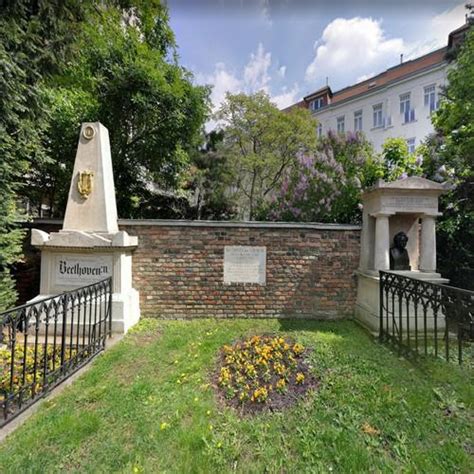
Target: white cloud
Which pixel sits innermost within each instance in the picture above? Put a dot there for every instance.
(354, 46)
(223, 81)
(352, 50)
(256, 75)
(282, 71)
(440, 27)
(286, 97)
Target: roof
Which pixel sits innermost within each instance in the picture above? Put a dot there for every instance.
(390, 75)
(301, 104)
(395, 73)
(322, 91)
(458, 33)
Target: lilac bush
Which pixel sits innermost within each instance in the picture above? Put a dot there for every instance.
(326, 186)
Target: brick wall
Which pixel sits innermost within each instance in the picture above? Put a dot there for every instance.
(178, 269)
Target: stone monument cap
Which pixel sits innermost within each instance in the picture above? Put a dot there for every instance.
(414, 195)
(411, 183)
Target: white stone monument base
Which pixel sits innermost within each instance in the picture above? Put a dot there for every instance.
(125, 310)
(367, 308)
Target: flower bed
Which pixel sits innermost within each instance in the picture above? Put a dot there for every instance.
(28, 372)
(263, 372)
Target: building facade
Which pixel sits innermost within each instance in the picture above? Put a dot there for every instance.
(398, 102)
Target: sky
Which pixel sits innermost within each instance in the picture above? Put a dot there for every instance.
(290, 48)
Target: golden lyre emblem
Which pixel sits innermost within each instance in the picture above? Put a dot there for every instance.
(84, 183)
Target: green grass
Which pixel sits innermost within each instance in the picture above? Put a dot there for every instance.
(146, 406)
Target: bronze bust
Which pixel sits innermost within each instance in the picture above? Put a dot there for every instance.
(399, 259)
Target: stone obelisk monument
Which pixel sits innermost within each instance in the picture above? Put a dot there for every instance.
(90, 247)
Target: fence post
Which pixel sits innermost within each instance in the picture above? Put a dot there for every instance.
(63, 332)
(109, 309)
(381, 305)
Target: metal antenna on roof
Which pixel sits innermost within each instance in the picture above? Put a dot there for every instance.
(401, 58)
(327, 81)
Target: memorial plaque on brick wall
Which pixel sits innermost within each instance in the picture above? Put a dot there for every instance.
(79, 270)
(245, 264)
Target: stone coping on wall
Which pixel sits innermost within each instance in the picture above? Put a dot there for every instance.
(204, 223)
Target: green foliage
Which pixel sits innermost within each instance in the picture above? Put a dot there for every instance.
(326, 186)
(124, 75)
(397, 161)
(151, 395)
(210, 178)
(35, 39)
(260, 144)
(449, 156)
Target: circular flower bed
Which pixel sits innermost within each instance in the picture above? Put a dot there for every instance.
(263, 372)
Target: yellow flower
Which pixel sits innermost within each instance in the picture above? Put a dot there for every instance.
(164, 426)
(300, 378)
(298, 348)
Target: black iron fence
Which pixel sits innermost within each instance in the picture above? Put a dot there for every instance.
(424, 318)
(43, 343)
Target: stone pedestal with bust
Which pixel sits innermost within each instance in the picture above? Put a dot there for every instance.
(90, 238)
(398, 234)
(399, 259)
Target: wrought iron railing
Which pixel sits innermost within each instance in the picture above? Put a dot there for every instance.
(43, 343)
(425, 318)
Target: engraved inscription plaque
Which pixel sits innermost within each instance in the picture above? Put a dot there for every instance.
(411, 202)
(245, 264)
(77, 270)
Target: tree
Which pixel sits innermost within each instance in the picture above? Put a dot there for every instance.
(326, 186)
(397, 161)
(125, 74)
(260, 144)
(35, 40)
(210, 181)
(449, 156)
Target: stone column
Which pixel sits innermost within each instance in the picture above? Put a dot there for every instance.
(364, 243)
(382, 242)
(428, 244)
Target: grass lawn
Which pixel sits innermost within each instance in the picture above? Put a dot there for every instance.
(147, 406)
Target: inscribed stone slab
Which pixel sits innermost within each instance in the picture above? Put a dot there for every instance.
(78, 270)
(245, 264)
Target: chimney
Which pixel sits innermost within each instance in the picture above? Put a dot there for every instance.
(401, 58)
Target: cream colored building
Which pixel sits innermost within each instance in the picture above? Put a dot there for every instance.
(395, 103)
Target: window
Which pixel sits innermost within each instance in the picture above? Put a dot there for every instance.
(317, 103)
(407, 112)
(411, 145)
(404, 103)
(340, 125)
(430, 97)
(378, 116)
(320, 130)
(358, 121)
